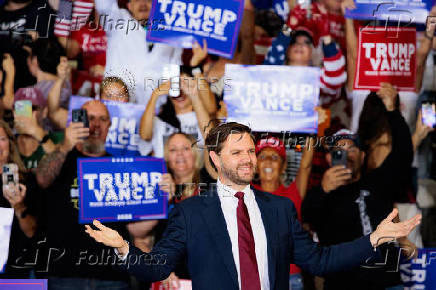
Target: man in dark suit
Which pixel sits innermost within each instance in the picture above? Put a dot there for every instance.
(235, 237)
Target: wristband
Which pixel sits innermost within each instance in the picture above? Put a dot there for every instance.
(44, 139)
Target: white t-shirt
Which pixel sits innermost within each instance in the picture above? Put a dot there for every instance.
(162, 130)
(128, 55)
(407, 107)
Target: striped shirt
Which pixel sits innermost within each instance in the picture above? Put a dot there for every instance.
(333, 73)
(72, 16)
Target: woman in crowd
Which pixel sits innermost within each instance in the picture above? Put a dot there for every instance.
(185, 113)
(114, 89)
(111, 89)
(23, 199)
(185, 167)
(271, 165)
(388, 147)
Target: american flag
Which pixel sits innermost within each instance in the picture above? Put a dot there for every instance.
(72, 15)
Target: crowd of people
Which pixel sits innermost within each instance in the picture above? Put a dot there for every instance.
(51, 51)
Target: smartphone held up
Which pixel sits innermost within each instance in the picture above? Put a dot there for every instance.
(10, 174)
(428, 110)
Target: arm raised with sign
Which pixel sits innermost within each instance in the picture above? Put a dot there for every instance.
(146, 125)
(351, 42)
(206, 95)
(424, 48)
(9, 68)
(56, 113)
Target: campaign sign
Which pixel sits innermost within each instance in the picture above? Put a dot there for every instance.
(420, 273)
(121, 189)
(123, 136)
(386, 55)
(272, 98)
(181, 22)
(6, 219)
(183, 285)
(407, 11)
(23, 284)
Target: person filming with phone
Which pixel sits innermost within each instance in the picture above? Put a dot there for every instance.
(366, 179)
(57, 173)
(19, 192)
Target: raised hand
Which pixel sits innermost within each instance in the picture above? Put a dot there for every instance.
(387, 230)
(198, 53)
(63, 69)
(14, 194)
(29, 126)
(107, 237)
(388, 94)
(167, 184)
(430, 29)
(171, 283)
(347, 4)
(74, 134)
(334, 177)
(8, 63)
(163, 89)
(421, 130)
(189, 86)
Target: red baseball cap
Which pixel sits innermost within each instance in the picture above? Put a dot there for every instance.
(31, 94)
(273, 143)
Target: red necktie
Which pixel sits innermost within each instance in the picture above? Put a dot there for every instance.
(247, 255)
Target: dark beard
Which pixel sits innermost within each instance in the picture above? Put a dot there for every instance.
(232, 175)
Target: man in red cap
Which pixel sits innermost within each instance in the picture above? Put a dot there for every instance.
(33, 141)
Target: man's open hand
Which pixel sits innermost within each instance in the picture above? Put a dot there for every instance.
(108, 237)
(387, 230)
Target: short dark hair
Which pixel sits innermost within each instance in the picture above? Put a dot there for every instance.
(219, 134)
(298, 33)
(48, 52)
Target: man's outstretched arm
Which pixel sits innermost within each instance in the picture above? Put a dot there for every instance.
(323, 260)
(160, 262)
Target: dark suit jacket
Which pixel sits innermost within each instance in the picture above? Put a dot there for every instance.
(197, 231)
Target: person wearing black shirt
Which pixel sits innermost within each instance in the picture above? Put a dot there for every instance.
(357, 199)
(57, 172)
(22, 21)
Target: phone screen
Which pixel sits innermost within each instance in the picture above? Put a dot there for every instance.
(10, 173)
(23, 108)
(171, 72)
(428, 114)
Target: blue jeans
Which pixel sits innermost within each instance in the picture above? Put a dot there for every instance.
(57, 283)
(295, 282)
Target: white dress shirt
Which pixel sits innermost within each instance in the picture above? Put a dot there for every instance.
(229, 205)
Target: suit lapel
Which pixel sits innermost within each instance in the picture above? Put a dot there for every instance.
(269, 218)
(216, 223)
